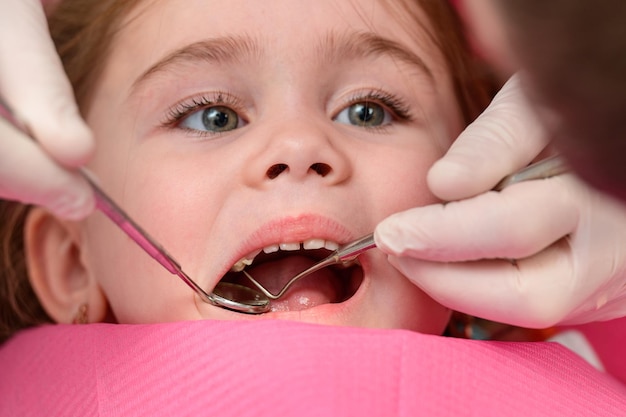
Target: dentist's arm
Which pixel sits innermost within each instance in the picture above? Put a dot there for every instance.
(536, 254)
(33, 84)
(571, 56)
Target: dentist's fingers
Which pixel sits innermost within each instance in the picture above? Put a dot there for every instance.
(514, 223)
(29, 175)
(35, 87)
(560, 260)
(534, 293)
(504, 138)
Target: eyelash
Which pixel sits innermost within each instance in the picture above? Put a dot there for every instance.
(399, 108)
(182, 109)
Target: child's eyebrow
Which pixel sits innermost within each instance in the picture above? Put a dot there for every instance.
(354, 45)
(332, 48)
(216, 50)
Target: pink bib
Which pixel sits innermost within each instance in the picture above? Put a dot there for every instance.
(274, 368)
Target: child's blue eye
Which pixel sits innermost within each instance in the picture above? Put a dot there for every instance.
(364, 114)
(216, 119)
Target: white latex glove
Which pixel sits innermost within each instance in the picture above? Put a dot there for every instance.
(569, 242)
(34, 85)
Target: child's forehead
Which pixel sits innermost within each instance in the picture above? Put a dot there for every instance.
(330, 30)
(269, 21)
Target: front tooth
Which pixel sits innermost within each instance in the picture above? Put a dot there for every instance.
(313, 244)
(290, 246)
(331, 245)
(271, 249)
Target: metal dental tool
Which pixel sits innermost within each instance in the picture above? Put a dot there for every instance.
(249, 300)
(344, 254)
(223, 295)
(545, 168)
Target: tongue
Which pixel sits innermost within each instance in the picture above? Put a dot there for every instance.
(318, 288)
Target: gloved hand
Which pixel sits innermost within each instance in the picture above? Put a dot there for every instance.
(33, 84)
(536, 254)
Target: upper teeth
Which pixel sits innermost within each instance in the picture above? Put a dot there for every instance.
(287, 246)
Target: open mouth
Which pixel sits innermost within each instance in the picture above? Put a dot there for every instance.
(275, 265)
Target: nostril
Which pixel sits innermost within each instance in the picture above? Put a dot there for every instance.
(321, 168)
(275, 170)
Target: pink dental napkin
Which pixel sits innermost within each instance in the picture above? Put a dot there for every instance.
(608, 339)
(275, 368)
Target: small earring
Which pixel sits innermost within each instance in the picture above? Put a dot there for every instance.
(81, 317)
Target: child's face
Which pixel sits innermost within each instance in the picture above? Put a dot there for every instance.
(227, 127)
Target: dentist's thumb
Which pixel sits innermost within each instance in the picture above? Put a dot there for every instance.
(504, 138)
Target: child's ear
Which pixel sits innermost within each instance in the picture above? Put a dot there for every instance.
(57, 272)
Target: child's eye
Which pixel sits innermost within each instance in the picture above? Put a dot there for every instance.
(364, 114)
(374, 109)
(207, 114)
(215, 119)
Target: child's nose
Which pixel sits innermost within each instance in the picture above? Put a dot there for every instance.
(300, 151)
